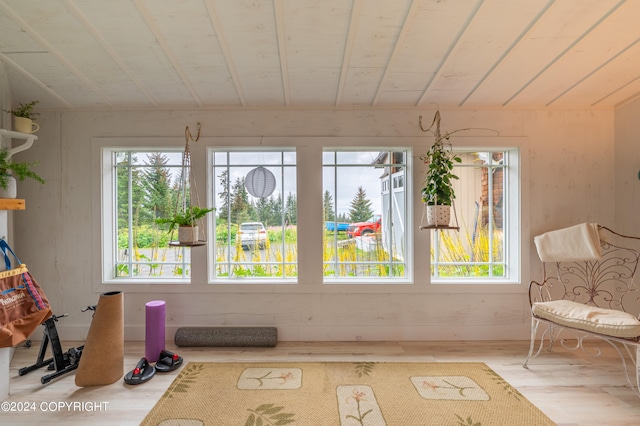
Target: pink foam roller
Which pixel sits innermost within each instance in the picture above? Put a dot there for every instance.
(155, 329)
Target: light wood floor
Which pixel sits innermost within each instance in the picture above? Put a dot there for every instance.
(572, 388)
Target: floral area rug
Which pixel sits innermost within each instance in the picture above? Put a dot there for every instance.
(341, 393)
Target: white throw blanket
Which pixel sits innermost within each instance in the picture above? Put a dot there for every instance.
(579, 242)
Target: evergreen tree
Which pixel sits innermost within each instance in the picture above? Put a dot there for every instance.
(291, 212)
(263, 212)
(223, 209)
(327, 207)
(275, 210)
(360, 209)
(159, 199)
(137, 191)
(240, 206)
(342, 217)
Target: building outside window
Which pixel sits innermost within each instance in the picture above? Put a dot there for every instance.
(485, 247)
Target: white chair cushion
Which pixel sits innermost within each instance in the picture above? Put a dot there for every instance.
(610, 322)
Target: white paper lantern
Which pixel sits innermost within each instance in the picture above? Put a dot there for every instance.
(260, 182)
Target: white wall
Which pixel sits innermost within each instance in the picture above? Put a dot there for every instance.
(627, 170)
(569, 167)
(5, 123)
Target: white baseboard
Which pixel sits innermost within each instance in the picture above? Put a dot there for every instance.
(292, 333)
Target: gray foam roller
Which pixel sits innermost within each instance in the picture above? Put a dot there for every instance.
(226, 336)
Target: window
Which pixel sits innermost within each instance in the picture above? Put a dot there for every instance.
(486, 205)
(365, 218)
(365, 211)
(255, 237)
(138, 187)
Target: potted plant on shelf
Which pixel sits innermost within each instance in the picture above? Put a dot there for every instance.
(187, 223)
(23, 118)
(10, 170)
(437, 188)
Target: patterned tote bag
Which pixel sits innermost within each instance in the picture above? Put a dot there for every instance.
(23, 304)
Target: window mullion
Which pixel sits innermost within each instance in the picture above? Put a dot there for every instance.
(490, 217)
(129, 216)
(492, 257)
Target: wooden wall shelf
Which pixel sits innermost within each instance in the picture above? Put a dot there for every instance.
(12, 204)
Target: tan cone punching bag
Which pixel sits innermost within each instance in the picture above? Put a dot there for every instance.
(102, 359)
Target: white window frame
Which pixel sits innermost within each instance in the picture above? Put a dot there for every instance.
(213, 201)
(309, 166)
(512, 225)
(109, 217)
(408, 217)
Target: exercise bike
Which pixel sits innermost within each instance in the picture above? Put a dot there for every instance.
(61, 362)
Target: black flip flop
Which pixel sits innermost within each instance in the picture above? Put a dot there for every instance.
(168, 361)
(142, 373)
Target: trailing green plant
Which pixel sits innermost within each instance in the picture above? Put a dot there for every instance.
(437, 187)
(19, 170)
(25, 110)
(187, 217)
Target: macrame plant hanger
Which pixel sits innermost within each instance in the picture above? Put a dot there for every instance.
(438, 137)
(188, 191)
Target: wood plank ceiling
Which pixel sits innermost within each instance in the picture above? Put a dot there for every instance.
(146, 54)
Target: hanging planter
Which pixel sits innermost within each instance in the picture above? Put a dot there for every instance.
(437, 188)
(188, 234)
(438, 215)
(187, 223)
(188, 214)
